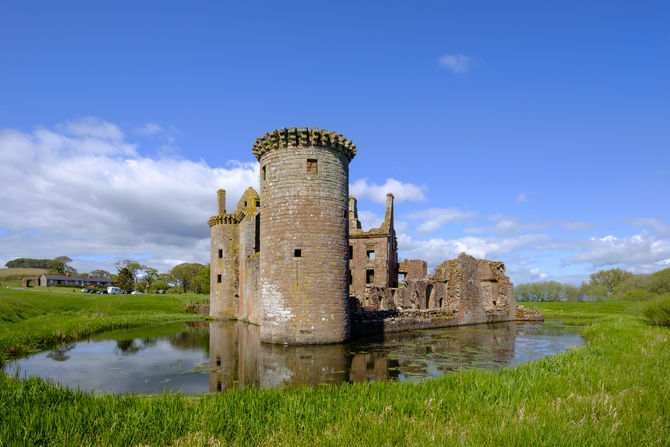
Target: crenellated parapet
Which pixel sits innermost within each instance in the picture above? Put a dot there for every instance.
(285, 138)
(223, 219)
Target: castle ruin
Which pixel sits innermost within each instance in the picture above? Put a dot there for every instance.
(295, 260)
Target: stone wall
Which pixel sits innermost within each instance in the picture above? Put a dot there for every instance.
(224, 262)
(304, 237)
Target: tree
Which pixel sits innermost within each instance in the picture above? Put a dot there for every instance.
(150, 275)
(132, 266)
(609, 278)
(186, 275)
(100, 273)
(204, 278)
(65, 268)
(125, 279)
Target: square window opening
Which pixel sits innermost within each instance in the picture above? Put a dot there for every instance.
(370, 276)
(297, 253)
(312, 167)
(371, 255)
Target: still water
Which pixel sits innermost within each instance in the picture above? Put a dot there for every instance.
(211, 357)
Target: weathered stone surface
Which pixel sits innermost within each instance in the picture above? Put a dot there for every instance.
(296, 261)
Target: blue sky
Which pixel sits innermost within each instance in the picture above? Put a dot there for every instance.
(535, 133)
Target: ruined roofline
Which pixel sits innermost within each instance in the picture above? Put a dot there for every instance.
(386, 227)
(285, 138)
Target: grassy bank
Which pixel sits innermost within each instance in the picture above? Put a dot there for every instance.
(613, 391)
(37, 319)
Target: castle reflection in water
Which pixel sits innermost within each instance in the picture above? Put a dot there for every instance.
(239, 359)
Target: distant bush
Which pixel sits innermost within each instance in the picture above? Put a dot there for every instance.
(546, 291)
(158, 285)
(643, 287)
(658, 311)
(636, 295)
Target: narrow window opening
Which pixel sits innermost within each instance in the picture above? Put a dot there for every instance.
(297, 253)
(371, 255)
(370, 276)
(257, 238)
(312, 166)
(351, 252)
(218, 278)
(245, 203)
(258, 203)
(218, 360)
(351, 278)
(220, 253)
(263, 173)
(494, 303)
(440, 303)
(218, 385)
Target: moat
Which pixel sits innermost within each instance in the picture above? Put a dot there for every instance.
(212, 357)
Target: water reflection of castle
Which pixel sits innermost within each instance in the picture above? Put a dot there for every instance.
(239, 359)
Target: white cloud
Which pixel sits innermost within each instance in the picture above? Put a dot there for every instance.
(507, 226)
(456, 63)
(521, 198)
(369, 220)
(93, 127)
(434, 218)
(656, 225)
(149, 129)
(92, 195)
(437, 250)
(402, 192)
(641, 252)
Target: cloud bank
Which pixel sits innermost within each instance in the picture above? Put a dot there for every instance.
(84, 190)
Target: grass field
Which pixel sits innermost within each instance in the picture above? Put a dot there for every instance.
(612, 391)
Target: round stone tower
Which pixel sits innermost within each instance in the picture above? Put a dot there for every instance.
(224, 261)
(304, 240)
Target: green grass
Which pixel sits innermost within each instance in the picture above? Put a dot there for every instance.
(33, 320)
(613, 391)
(658, 312)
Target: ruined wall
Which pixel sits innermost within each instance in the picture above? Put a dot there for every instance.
(304, 236)
(373, 258)
(248, 307)
(481, 287)
(224, 261)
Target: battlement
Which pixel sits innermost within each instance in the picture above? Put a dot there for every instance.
(285, 138)
(223, 219)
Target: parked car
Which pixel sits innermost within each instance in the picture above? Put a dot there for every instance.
(136, 292)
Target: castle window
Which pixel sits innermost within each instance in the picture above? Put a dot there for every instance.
(351, 278)
(297, 253)
(371, 255)
(218, 278)
(263, 173)
(220, 253)
(370, 276)
(245, 203)
(401, 276)
(312, 166)
(258, 203)
(351, 252)
(257, 235)
(218, 360)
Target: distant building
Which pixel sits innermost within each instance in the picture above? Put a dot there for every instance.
(52, 280)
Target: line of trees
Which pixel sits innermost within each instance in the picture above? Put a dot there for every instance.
(131, 274)
(612, 284)
(58, 265)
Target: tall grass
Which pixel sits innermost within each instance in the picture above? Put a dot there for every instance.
(658, 312)
(613, 391)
